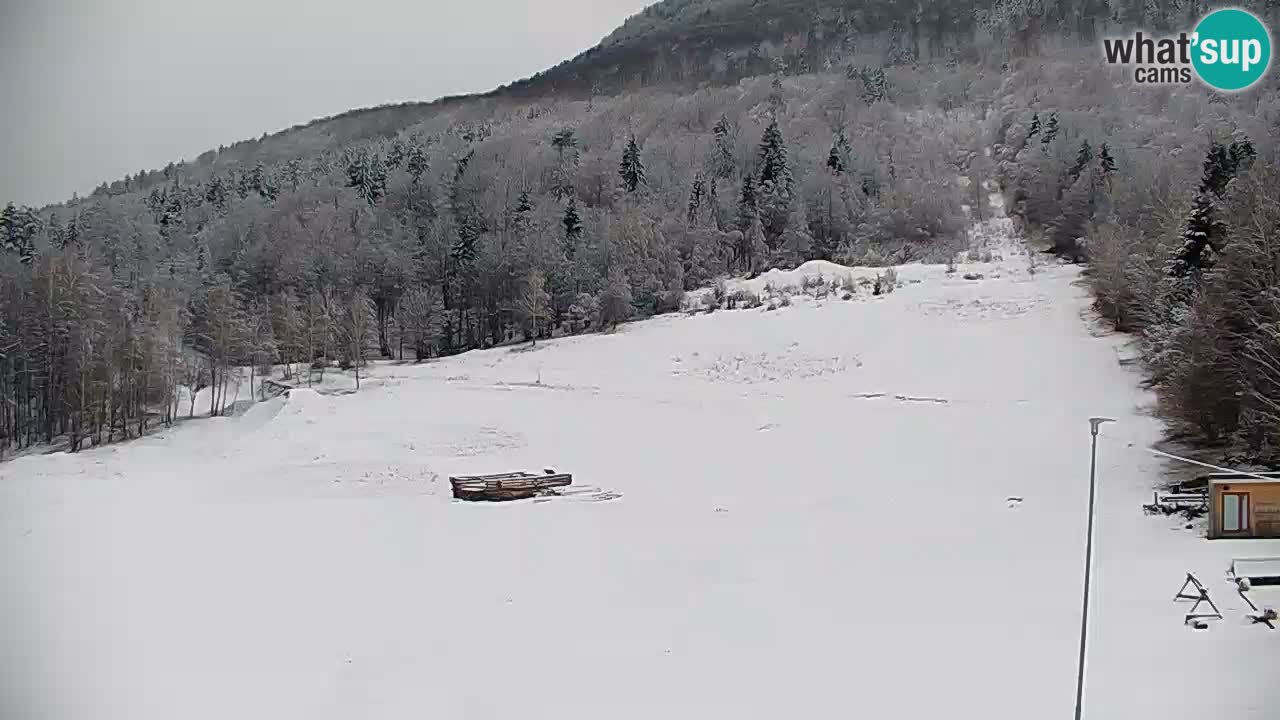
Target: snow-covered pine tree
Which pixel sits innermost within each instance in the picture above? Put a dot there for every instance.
(1084, 156)
(1205, 232)
(19, 227)
(522, 217)
(1106, 162)
(395, 154)
(265, 185)
(870, 185)
(415, 161)
(572, 224)
(875, 86)
(631, 169)
(776, 189)
(697, 196)
(217, 193)
(713, 201)
(723, 163)
(468, 219)
(1050, 130)
(244, 185)
(367, 175)
(54, 232)
(840, 157)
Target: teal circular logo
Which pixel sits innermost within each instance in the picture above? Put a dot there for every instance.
(1231, 49)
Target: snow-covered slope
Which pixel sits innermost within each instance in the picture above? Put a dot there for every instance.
(797, 513)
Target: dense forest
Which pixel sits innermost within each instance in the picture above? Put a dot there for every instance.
(555, 207)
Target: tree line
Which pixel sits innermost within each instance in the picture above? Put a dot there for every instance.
(1169, 196)
(499, 221)
(459, 232)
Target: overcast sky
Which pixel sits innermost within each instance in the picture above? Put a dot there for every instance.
(92, 89)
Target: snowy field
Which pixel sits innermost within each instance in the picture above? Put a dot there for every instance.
(795, 513)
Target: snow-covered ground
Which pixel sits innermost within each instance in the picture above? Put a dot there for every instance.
(794, 513)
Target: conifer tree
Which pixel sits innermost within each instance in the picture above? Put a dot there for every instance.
(713, 198)
(566, 144)
(1200, 239)
(468, 221)
(874, 85)
(415, 161)
(1083, 158)
(1107, 163)
(773, 157)
(395, 154)
(70, 233)
(367, 175)
(870, 185)
(839, 157)
(572, 224)
(55, 232)
(522, 214)
(217, 193)
(697, 195)
(775, 191)
(171, 212)
(1035, 126)
(294, 174)
(264, 184)
(1050, 130)
(631, 169)
(722, 160)
(1205, 232)
(18, 229)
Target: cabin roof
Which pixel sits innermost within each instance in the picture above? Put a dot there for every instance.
(1260, 478)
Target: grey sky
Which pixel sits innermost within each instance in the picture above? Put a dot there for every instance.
(92, 89)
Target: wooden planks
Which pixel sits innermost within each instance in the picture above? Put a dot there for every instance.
(506, 486)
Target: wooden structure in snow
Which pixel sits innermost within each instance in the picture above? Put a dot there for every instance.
(507, 486)
(1257, 571)
(1201, 596)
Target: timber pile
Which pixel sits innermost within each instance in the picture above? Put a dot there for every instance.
(507, 486)
(271, 389)
(1190, 505)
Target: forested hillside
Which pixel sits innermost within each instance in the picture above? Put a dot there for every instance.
(1170, 195)
(559, 206)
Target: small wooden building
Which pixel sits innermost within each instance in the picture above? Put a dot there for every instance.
(1243, 506)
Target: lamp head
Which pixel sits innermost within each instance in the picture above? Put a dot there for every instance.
(1096, 422)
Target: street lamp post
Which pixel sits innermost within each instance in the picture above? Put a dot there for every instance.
(1094, 424)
